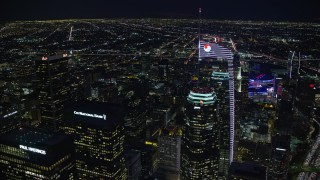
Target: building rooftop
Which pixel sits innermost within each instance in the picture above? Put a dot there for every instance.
(32, 137)
(171, 131)
(203, 90)
(96, 114)
(281, 142)
(202, 96)
(53, 57)
(248, 170)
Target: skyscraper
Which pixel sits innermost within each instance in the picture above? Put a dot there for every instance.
(98, 134)
(213, 50)
(248, 171)
(9, 118)
(33, 154)
(169, 152)
(53, 89)
(221, 85)
(199, 151)
(280, 157)
(133, 164)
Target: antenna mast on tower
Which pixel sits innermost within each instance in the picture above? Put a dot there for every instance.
(199, 31)
(199, 38)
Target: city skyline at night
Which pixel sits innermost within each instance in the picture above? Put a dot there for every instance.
(166, 90)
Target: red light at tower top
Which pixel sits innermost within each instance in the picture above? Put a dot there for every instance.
(311, 86)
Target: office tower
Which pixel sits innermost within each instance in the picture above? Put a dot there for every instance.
(163, 113)
(163, 69)
(169, 152)
(305, 98)
(284, 114)
(133, 164)
(98, 134)
(134, 120)
(213, 50)
(32, 154)
(280, 157)
(9, 118)
(24, 68)
(148, 154)
(247, 171)
(317, 103)
(53, 88)
(199, 150)
(104, 91)
(220, 81)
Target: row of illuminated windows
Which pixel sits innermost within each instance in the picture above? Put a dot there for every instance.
(105, 135)
(31, 166)
(21, 165)
(199, 139)
(99, 145)
(67, 167)
(12, 174)
(67, 157)
(13, 151)
(85, 172)
(200, 126)
(104, 155)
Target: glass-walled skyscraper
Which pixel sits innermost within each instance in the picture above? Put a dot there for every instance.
(199, 154)
(33, 154)
(53, 88)
(98, 132)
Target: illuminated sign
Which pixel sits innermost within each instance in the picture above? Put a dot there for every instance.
(103, 116)
(280, 149)
(33, 149)
(151, 143)
(207, 48)
(196, 107)
(10, 114)
(44, 58)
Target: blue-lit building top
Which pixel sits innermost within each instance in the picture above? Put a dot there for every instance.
(220, 76)
(202, 96)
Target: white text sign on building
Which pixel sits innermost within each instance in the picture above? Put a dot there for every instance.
(33, 149)
(103, 116)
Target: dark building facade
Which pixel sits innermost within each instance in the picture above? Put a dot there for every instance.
(9, 118)
(280, 157)
(220, 81)
(247, 171)
(169, 152)
(133, 164)
(99, 136)
(53, 88)
(306, 90)
(32, 154)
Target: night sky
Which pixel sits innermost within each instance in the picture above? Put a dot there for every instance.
(292, 10)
